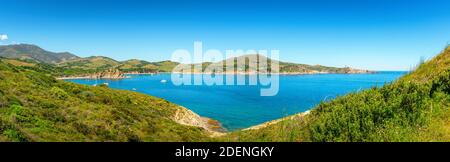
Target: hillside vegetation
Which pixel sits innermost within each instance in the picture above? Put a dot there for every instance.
(414, 108)
(35, 53)
(66, 64)
(255, 63)
(36, 107)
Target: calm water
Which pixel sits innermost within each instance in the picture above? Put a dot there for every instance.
(239, 107)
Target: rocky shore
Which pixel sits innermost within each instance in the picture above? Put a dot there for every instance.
(349, 71)
(346, 71)
(187, 117)
(107, 74)
(117, 74)
(110, 74)
(136, 72)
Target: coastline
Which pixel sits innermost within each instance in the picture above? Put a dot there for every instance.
(89, 77)
(220, 73)
(278, 73)
(214, 127)
(186, 116)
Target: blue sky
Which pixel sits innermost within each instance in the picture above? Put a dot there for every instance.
(368, 34)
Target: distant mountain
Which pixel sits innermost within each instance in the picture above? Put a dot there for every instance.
(263, 64)
(100, 63)
(165, 66)
(90, 63)
(140, 66)
(33, 52)
(70, 64)
(137, 66)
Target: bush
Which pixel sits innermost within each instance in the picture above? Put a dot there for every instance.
(442, 83)
(58, 93)
(14, 135)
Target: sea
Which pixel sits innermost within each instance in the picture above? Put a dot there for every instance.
(241, 106)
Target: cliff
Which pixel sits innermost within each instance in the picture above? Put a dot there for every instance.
(187, 117)
(348, 70)
(109, 74)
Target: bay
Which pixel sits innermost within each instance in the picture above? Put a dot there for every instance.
(241, 106)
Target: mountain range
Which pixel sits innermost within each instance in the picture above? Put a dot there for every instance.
(74, 65)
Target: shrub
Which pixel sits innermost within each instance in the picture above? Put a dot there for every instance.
(58, 93)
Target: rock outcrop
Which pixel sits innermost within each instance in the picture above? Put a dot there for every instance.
(109, 74)
(138, 72)
(187, 117)
(357, 71)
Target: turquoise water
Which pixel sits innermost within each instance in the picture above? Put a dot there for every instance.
(241, 106)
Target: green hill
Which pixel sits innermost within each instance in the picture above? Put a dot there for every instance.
(88, 63)
(414, 108)
(263, 64)
(68, 64)
(140, 66)
(33, 52)
(165, 66)
(137, 66)
(36, 107)
(430, 70)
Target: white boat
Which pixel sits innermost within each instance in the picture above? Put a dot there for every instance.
(163, 81)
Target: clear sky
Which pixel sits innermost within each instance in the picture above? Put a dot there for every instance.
(368, 34)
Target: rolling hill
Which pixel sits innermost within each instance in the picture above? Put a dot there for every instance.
(34, 106)
(90, 63)
(140, 66)
(71, 65)
(255, 63)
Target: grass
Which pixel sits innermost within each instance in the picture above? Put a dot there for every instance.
(414, 108)
(36, 107)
